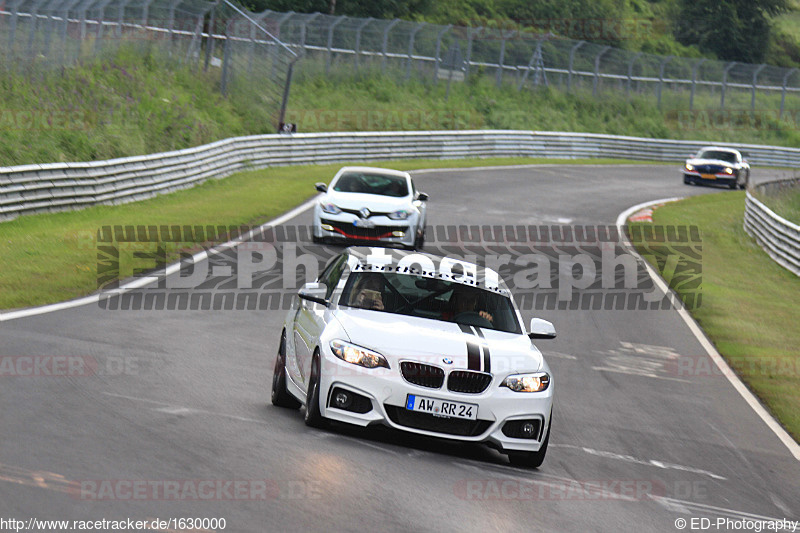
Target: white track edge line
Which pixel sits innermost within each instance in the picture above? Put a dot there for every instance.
(142, 282)
(727, 371)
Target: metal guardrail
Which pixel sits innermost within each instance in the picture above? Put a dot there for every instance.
(776, 235)
(56, 187)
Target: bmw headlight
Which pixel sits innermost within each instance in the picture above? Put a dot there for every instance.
(534, 382)
(728, 170)
(357, 355)
(331, 209)
(689, 167)
(401, 214)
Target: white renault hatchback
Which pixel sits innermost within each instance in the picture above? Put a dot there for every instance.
(423, 344)
(370, 205)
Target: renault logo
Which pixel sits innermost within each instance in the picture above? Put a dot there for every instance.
(365, 213)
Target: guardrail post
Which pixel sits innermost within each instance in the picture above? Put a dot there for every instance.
(385, 50)
(783, 91)
(438, 58)
(695, 68)
(725, 83)
(630, 72)
(661, 68)
(753, 96)
(330, 42)
(358, 39)
(411, 37)
(597, 69)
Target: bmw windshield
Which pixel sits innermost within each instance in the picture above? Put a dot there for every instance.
(432, 298)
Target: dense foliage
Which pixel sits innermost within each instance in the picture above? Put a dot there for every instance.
(737, 30)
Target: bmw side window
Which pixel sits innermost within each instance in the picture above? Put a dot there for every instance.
(330, 276)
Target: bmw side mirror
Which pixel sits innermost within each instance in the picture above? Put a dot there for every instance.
(321, 187)
(422, 197)
(314, 292)
(542, 329)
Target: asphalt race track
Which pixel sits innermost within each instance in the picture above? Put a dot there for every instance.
(181, 399)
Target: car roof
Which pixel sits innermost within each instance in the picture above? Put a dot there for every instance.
(375, 170)
(484, 277)
(720, 149)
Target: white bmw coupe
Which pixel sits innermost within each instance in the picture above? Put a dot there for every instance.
(420, 343)
(371, 205)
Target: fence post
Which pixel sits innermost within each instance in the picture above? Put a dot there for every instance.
(358, 40)
(572, 62)
(753, 97)
(438, 58)
(273, 45)
(172, 7)
(597, 69)
(98, 43)
(504, 37)
(385, 51)
(469, 49)
(146, 13)
(695, 67)
(630, 72)
(13, 25)
(210, 43)
(330, 42)
(411, 37)
(304, 30)
(725, 83)
(661, 76)
(783, 91)
(226, 60)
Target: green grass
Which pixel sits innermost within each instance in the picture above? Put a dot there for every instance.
(53, 257)
(135, 101)
(749, 303)
(785, 204)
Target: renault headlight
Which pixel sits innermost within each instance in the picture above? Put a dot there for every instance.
(331, 209)
(401, 214)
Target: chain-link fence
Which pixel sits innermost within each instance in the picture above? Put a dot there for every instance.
(253, 64)
(522, 59)
(255, 53)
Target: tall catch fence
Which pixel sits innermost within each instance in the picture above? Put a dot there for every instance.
(256, 52)
(40, 35)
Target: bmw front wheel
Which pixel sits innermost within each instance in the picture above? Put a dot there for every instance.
(280, 396)
(313, 416)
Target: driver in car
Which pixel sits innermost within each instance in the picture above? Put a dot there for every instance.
(367, 292)
(464, 300)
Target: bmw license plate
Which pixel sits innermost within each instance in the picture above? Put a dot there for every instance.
(443, 408)
(708, 176)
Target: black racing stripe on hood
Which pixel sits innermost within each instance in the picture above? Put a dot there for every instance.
(487, 362)
(473, 350)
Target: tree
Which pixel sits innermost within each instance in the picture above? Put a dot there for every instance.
(734, 30)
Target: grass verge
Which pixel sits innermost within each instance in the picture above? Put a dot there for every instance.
(749, 303)
(53, 257)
